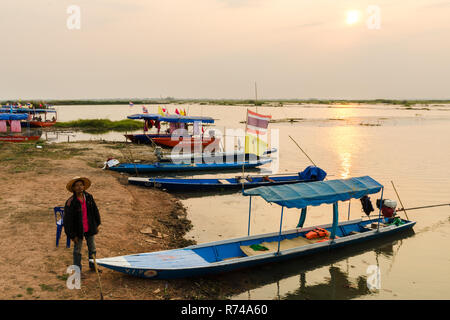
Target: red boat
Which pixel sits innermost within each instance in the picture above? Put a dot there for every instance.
(19, 138)
(170, 142)
(34, 118)
(15, 135)
(41, 124)
(170, 138)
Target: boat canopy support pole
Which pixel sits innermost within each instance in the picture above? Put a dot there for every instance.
(379, 212)
(301, 221)
(349, 209)
(335, 221)
(249, 214)
(279, 235)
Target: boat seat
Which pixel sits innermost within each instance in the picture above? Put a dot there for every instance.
(273, 245)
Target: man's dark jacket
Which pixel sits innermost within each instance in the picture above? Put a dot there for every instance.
(73, 223)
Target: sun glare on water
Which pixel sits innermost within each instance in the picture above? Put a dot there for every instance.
(352, 17)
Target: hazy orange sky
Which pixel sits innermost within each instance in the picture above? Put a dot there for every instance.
(220, 48)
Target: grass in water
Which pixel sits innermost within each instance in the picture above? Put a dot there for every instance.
(101, 125)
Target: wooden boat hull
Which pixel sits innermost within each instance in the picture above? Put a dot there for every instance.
(166, 167)
(42, 124)
(183, 141)
(228, 255)
(144, 138)
(193, 156)
(19, 138)
(198, 185)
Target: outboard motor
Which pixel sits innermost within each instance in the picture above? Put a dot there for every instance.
(158, 153)
(387, 208)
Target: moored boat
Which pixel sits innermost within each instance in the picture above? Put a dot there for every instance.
(16, 134)
(251, 181)
(173, 167)
(34, 118)
(176, 133)
(250, 251)
(191, 157)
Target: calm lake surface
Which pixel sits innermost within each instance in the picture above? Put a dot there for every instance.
(389, 143)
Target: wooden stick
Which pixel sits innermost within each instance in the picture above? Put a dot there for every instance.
(432, 206)
(399, 200)
(303, 151)
(98, 275)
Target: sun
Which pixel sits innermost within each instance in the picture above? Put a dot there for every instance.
(352, 17)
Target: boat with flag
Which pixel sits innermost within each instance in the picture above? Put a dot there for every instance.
(310, 174)
(176, 133)
(15, 135)
(255, 250)
(36, 118)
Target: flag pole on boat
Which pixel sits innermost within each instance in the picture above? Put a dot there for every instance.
(245, 148)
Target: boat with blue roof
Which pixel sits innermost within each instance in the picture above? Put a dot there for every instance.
(254, 250)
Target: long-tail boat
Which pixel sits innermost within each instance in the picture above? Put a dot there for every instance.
(254, 250)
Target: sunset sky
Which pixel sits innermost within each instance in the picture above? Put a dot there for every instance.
(219, 48)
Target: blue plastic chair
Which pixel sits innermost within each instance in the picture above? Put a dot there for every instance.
(59, 216)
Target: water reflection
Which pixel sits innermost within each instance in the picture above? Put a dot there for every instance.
(337, 281)
(343, 140)
(338, 286)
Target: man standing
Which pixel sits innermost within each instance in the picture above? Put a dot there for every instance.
(81, 219)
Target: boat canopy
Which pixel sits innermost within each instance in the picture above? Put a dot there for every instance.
(12, 116)
(171, 118)
(27, 110)
(301, 195)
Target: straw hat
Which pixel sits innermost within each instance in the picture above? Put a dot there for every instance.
(87, 183)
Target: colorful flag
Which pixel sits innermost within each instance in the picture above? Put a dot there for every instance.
(177, 112)
(184, 112)
(255, 145)
(256, 125)
(160, 111)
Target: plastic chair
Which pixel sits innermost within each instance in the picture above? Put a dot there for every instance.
(59, 216)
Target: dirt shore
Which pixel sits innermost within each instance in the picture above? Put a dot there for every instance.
(33, 177)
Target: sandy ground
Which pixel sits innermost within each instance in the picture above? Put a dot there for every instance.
(32, 182)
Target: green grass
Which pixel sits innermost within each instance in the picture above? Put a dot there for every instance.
(23, 157)
(101, 125)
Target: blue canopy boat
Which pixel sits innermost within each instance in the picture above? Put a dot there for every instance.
(34, 119)
(17, 136)
(311, 173)
(182, 167)
(147, 138)
(249, 251)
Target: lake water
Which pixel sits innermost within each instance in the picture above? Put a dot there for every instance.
(389, 143)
